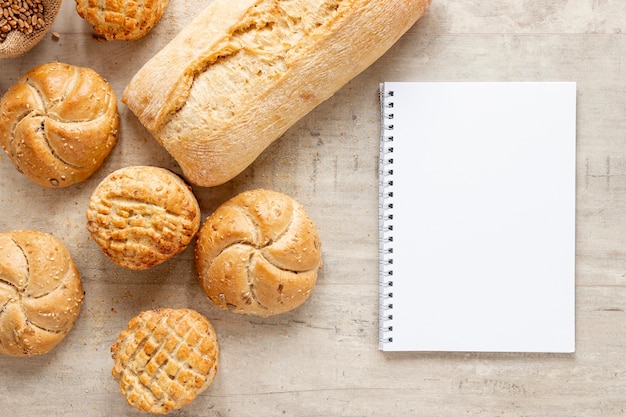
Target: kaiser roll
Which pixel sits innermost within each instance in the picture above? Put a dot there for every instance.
(58, 123)
(41, 292)
(258, 253)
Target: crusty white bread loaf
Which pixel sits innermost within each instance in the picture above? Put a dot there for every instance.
(58, 123)
(258, 253)
(41, 292)
(244, 71)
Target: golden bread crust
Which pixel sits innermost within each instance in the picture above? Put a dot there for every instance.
(259, 253)
(165, 358)
(122, 19)
(41, 292)
(243, 72)
(58, 123)
(142, 216)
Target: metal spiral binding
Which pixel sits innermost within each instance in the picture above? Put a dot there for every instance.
(386, 219)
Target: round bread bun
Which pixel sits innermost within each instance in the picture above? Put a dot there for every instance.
(165, 358)
(259, 254)
(58, 123)
(122, 19)
(142, 216)
(41, 292)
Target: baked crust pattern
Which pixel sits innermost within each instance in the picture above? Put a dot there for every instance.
(58, 123)
(165, 358)
(142, 216)
(41, 292)
(121, 19)
(259, 253)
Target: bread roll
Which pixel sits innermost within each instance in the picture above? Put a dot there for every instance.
(259, 254)
(142, 216)
(122, 19)
(165, 358)
(41, 292)
(58, 123)
(244, 71)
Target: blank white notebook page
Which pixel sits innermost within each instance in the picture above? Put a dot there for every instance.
(483, 218)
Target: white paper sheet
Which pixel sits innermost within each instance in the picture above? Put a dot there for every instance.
(484, 217)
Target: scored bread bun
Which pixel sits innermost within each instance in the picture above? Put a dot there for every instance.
(58, 123)
(122, 19)
(259, 253)
(165, 358)
(41, 292)
(141, 216)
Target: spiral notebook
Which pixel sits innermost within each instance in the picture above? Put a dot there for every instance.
(477, 216)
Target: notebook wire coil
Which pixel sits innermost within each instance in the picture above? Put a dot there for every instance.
(385, 174)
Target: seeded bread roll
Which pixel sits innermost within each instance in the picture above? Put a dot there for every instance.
(259, 254)
(165, 358)
(244, 71)
(122, 19)
(41, 292)
(142, 216)
(58, 123)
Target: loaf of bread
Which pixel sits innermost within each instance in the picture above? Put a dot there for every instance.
(142, 216)
(41, 292)
(122, 19)
(58, 123)
(165, 358)
(244, 71)
(258, 253)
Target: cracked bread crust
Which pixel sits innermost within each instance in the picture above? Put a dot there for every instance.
(123, 19)
(243, 72)
(41, 292)
(141, 216)
(165, 358)
(259, 253)
(58, 123)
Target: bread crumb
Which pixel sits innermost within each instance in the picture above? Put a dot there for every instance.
(56, 36)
